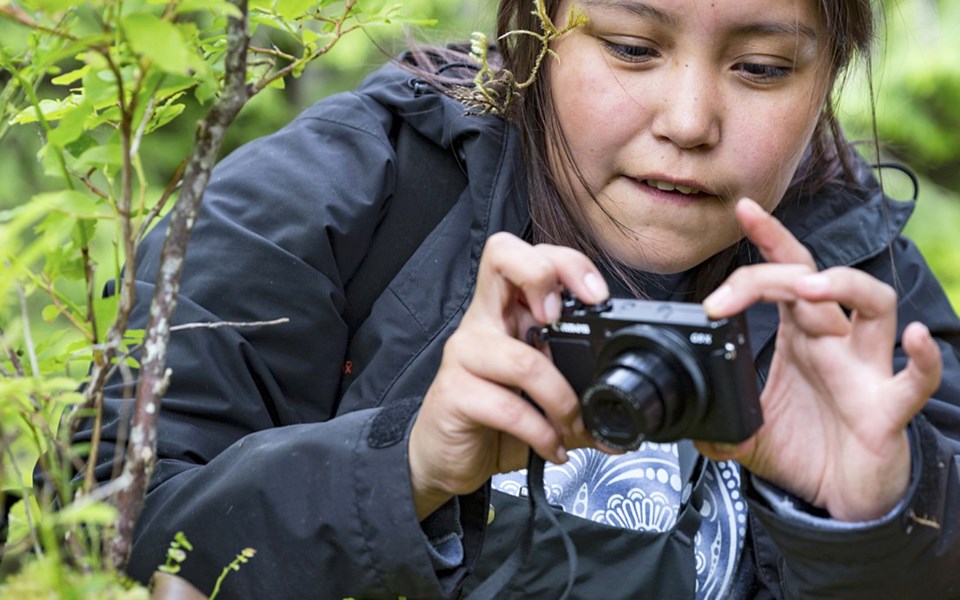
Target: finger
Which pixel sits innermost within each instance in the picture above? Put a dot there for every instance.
(874, 304)
(539, 272)
(771, 282)
(775, 242)
(513, 364)
(751, 284)
(920, 379)
(500, 409)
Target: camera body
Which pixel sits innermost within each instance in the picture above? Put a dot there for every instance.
(658, 371)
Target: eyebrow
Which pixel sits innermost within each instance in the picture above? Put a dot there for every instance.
(791, 28)
(638, 8)
(643, 10)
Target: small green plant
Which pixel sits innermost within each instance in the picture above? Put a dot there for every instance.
(176, 554)
(242, 558)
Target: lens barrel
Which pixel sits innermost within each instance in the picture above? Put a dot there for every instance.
(649, 385)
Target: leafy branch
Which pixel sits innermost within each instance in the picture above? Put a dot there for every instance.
(124, 75)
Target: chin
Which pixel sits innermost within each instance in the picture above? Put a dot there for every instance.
(670, 266)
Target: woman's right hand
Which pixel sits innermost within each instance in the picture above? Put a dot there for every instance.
(474, 422)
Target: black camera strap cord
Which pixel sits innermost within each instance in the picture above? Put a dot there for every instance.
(692, 469)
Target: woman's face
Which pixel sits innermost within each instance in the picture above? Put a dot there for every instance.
(675, 109)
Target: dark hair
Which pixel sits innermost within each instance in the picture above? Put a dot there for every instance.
(849, 25)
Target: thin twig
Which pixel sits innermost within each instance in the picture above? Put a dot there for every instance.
(18, 16)
(27, 338)
(235, 324)
(338, 32)
(63, 310)
(273, 52)
(85, 179)
(171, 187)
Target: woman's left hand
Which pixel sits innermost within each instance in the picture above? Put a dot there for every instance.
(835, 414)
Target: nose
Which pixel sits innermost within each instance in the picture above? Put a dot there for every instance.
(689, 112)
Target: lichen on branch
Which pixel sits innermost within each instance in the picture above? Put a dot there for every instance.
(493, 91)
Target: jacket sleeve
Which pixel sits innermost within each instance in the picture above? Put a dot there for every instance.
(252, 452)
(914, 552)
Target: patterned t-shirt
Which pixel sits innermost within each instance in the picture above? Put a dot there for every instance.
(641, 490)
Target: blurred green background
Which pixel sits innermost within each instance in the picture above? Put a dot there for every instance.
(917, 106)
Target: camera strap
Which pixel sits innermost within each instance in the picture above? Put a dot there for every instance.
(492, 585)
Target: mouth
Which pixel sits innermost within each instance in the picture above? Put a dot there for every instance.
(667, 186)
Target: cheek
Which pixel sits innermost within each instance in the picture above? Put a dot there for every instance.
(592, 108)
(769, 161)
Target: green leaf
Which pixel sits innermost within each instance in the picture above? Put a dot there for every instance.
(101, 156)
(158, 40)
(65, 263)
(52, 6)
(50, 313)
(105, 310)
(206, 90)
(20, 525)
(100, 87)
(165, 114)
(81, 145)
(294, 9)
(76, 204)
(217, 7)
(94, 513)
(52, 110)
(71, 124)
(71, 76)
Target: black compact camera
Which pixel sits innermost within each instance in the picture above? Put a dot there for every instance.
(657, 371)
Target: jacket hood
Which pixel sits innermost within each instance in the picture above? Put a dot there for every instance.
(398, 87)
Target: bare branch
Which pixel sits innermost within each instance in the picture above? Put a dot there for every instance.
(234, 324)
(141, 452)
(171, 187)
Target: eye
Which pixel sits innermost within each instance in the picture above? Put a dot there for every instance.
(629, 52)
(762, 73)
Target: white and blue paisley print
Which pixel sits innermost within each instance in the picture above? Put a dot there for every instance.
(640, 490)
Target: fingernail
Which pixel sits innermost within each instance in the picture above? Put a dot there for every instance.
(727, 448)
(551, 307)
(561, 455)
(718, 300)
(596, 285)
(816, 283)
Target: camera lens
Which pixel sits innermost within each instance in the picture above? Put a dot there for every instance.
(626, 403)
(648, 386)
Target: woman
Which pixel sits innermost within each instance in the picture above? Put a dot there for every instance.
(650, 155)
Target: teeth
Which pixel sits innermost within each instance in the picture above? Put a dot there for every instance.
(669, 187)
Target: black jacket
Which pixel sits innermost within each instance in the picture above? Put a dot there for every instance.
(289, 440)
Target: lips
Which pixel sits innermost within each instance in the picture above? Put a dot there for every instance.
(679, 190)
